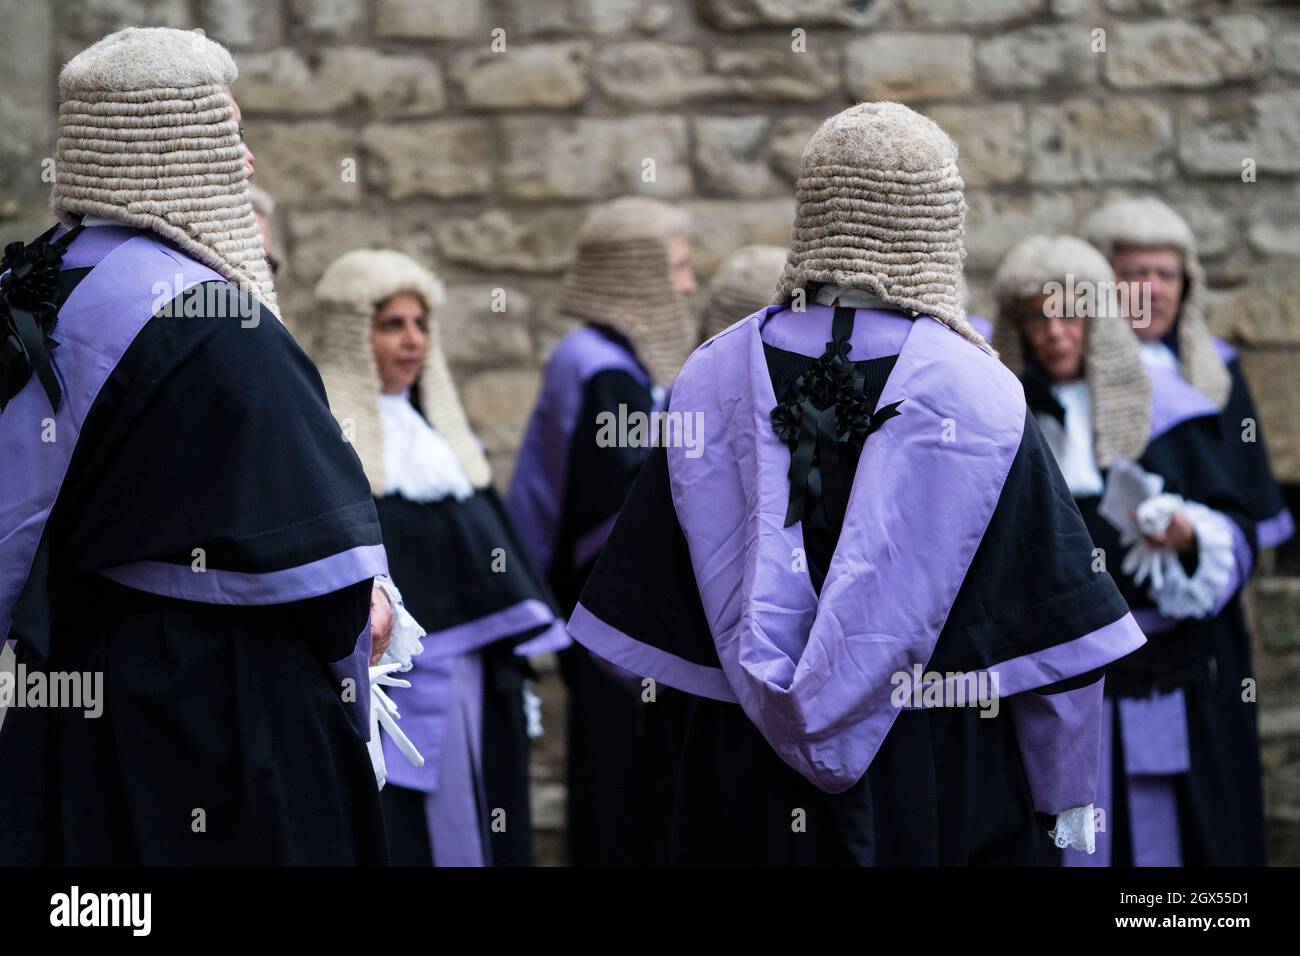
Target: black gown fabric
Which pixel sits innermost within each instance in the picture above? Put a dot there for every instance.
(607, 741)
(224, 738)
(441, 554)
(947, 787)
(1221, 803)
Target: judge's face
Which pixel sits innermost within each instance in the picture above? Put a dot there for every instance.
(399, 334)
(679, 264)
(239, 118)
(1161, 272)
(1057, 340)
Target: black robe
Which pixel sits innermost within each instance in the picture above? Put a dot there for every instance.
(947, 786)
(1220, 798)
(224, 738)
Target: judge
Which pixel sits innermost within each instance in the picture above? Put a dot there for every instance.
(1153, 252)
(628, 287)
(454, 552)
(1180, 773)
(874, 535)
(180, 514)
(742, 284)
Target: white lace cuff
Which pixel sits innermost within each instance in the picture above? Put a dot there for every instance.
(532, 710)
(1074, 829)
(1180, 596)
(405, 642)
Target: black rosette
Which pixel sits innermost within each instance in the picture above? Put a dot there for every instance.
(825, 415)
(28, 314)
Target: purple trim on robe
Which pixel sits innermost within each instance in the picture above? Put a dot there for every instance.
(1152, 622)
(536, 496)
(1060, 744)
(95, 243)
(1173, 402)
(1243, 561)
(981, 325)
(887, 332)
(815, 675)
(425, 709)
(554, 638)
(1153, 815)
(322, 576)
(1226, 351)
(357, 667)
(1154, 731)
(473, 635)
(97, 323)
(454, 811)
(1275, 530)
(613, 646)
(1103, 800)
(589, 546)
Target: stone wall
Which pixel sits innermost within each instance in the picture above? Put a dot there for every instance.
(397, 122)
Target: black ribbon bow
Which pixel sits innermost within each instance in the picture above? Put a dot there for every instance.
(823, 419)
(28, 314)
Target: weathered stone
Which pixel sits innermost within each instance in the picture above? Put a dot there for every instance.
(475, 332)
(743, 14)
(721, 227)
(590, 158)
(1286, 54)
(1152, 6)
(729, 155)
(1276, 233)
(1279, 406)
(440, 158)
(1059, 56)
(319, 236)
(498, 404)
(86, 21)
(1218, 135)
(28, 121)
(524, 77)
(282, 81)
(648, 73)
(429, 19)
(910, 66)
(970, 11)
(1263, 313)
(1182, 54)
(787, 140)
(780, 74)
(570, 18)
(1112, 140)
(329, 18)
(1277, 612)
(309, 160)
(990, 141)
(998, 221)
(235, 23)
(496, 241)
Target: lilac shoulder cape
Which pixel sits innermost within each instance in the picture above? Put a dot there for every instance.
(536, 496)
(815, 674)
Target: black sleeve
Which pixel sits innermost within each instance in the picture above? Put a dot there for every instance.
(212, 432)
(1032, 583)
(1194, 463)
(601, 477)
(644, 583)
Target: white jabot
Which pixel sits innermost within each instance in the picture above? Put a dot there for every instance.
(853, 299)
(418, 463)
(1072, 443)
(1158, 355)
